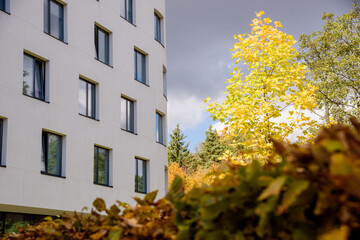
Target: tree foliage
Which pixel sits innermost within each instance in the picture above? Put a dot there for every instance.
(276, 81)
(313, 194)
(211, 149)
(177, 150)
(333, 56)
(191, 177)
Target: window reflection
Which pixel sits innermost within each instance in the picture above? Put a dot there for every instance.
(140, 67)
(102, 47)
(140, 175)
(101, 166)
(87, 98)
(34, 77)
(51, 154)
(127, 115)
(54, 19)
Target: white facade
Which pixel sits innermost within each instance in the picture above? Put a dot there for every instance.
(23, 187)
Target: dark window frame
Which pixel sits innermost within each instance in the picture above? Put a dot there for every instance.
(158, 28)
(45, 149)
(107, 44)
(159, 127)
(144, 172)
(129, 11)
(96, 167)
(129, 126)
(43, 75)
(143, 68)
(61, 24)
(164, 82)
(1, 141)
(166, 173)
(93, 101)
(3, 3)
(6, 6)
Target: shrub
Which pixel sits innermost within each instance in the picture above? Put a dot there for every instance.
(314, 193)
(13, 226)
(148, 220)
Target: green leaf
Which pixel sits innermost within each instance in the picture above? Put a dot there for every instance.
(253, 171)
(273, 189)
(176, 184)
(264, 181)
(294, 190)
(212, 211)
(177, 189)
(115, 234)
(331, 145)
(140, 201)
(150, 197)
(48, 218)
(263, 210)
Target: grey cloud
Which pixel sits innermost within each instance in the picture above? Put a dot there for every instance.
(200, 34)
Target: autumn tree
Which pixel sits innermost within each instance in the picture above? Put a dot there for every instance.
(178, 150)
(276, 81)
(333, 56)
(211, 149)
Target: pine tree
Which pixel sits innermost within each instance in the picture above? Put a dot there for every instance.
(211, 149)
(177, 150)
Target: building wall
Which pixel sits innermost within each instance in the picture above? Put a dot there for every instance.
(23, 187)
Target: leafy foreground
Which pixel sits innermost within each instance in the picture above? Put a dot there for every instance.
(314, 193)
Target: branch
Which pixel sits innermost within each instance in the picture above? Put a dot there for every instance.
(335, 102)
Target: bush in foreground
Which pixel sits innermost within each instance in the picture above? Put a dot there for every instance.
(314, 193)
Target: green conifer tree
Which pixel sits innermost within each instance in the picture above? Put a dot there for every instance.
(211, 149)
(177, 150)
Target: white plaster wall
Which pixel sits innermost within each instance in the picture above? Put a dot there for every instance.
(23, 188)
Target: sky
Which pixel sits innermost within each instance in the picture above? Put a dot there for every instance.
(199, 36)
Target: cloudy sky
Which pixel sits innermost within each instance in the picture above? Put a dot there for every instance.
(199, 36)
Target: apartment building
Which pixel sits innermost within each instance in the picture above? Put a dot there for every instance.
(82, 103)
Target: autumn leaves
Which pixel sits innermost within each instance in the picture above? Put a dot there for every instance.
(276, 86)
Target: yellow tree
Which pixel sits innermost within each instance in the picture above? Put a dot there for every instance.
(255, 103)
(191, 179)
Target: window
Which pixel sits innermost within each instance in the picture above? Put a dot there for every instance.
(5, 5)
(158, 27)
(102, 45)
(2, 5)
(140, 67)
(127, 115)
(87, 98)
(140, 175)
(166, 180)
(34, 77)
(164, 82)
(54, 19)
(51, 159)
(127, 10)
(160, 128)
(101, 166)
(1, 141)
